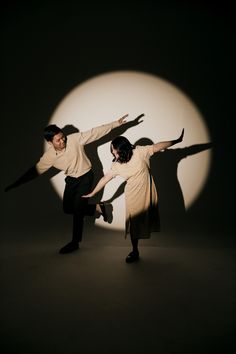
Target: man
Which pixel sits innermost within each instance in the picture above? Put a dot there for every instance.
(66, 153)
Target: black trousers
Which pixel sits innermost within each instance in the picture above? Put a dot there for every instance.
(74, 204)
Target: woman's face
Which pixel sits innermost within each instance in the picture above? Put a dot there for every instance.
(114, 152)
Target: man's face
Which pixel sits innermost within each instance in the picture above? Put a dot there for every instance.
(59, 141)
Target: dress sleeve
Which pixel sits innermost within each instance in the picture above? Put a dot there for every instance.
(113, 170)
(97, 133)
(146, 151)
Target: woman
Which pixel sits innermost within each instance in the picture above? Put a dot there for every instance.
(132, 163)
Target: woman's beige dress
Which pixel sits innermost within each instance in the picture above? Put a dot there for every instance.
(141, 199)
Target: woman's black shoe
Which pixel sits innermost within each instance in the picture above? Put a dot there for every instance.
(132, 257)
(69, 247)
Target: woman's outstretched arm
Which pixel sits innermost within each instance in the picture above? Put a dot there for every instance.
(100, 185)
(165, 144)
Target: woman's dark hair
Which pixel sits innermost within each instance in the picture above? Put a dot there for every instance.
(50, 131)
(123, 147)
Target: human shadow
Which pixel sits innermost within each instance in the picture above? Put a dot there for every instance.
(69, 129)
(164, 166)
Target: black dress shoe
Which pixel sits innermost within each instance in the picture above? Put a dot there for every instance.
(106, 210)
(132, 257)
(69, 247)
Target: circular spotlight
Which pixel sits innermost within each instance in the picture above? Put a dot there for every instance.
(167, 110)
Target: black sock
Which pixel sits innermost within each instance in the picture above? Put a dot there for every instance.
(134, 242)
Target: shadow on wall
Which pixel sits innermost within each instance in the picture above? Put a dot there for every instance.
(164, 166)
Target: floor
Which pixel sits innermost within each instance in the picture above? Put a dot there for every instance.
(178, 299)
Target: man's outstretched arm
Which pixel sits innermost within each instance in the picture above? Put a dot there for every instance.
(98, 132)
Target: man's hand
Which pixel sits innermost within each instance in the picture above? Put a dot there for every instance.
(122, 119)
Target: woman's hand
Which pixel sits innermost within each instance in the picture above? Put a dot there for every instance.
(88, 195)
(122, 119)
(100, 185)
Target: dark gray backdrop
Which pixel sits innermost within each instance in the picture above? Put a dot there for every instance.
(48, 48)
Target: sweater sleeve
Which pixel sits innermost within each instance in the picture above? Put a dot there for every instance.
(44, 163)
(97, 133)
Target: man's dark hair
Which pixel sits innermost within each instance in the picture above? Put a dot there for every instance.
(50, 131)
(124, 149)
